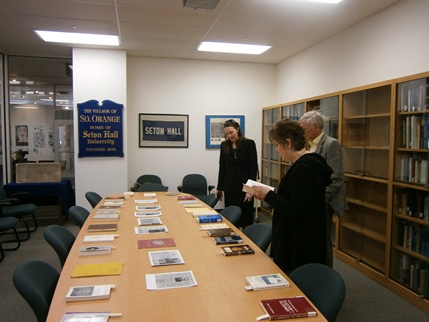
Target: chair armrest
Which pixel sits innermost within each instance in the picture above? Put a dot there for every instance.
(9, 202)
(180, 188)
(210, 188)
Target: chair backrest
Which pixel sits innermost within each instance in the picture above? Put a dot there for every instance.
(61, 239)
(149, 186)
(93, 198)
(323, 286)
(146, 178)
(232, 213)
(3, 194)
(260, 234)
(210, 200)
(36, 282)
(79, 215)
(195, 184)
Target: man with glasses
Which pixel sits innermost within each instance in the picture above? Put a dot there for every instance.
(312, 122)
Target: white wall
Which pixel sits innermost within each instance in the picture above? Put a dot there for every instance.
(196, 88)
(390, 44)
(99, 75)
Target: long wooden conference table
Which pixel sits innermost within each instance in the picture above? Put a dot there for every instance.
(220, 293)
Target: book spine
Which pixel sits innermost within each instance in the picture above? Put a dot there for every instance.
(209, 220)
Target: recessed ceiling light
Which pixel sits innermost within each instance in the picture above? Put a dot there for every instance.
(78, 38)
(222, 47)
(326, 1)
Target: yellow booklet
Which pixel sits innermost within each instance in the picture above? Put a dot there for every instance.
(97, 269)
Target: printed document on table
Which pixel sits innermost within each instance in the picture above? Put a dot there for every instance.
(166, 257)
(170, 280)
(150, 229)
(142, 201)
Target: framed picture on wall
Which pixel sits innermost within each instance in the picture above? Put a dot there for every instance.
(21, 135)
(214, 128)
(163, 130)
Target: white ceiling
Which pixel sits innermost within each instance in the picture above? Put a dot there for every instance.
(164, 28)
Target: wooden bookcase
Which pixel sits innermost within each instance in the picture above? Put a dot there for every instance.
(384, 131)
(409, 266)
(364, 229)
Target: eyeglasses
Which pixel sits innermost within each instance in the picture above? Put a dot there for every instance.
(231, 122)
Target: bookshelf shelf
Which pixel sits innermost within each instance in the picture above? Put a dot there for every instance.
(384, 131)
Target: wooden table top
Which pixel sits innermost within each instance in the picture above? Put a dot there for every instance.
(219, 295)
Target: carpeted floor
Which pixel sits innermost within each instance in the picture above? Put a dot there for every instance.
(366, 300)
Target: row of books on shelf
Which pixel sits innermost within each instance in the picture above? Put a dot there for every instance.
(414, 98)
(413, 203)
(414, 169)
(414, 274)
(415, 132)
(294, 112)
(414, 237)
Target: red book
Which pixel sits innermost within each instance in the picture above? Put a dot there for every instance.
(154, 243)
(286, 308)
(190, 197)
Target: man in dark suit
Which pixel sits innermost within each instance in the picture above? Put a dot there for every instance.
(331, 150)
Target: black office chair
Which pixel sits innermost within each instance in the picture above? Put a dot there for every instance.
(79, 215)
(16, 205)
(93, 198)
(36, 282)
(8, 224)
(260, 234)
(323, 286)
(151, 178)
(232, 213)
(210, 200)
(149, 186)
(61, 239)
(195, 184)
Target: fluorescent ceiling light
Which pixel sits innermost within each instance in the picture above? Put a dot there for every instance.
(78, 38)
(326, 1)
(222, 47)
(28, 107)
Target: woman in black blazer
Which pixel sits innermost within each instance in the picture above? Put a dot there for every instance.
(237, 163)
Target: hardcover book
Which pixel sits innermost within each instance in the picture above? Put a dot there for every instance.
(115, 207)
(227, 240)
(99, 238)
(264, 282)
(155, 243)
(286, 308)
(213, 225)
(236, 250)
(189, 197)
(86, 316)
(102, 227)
(113, 202)
(106, 217)
(116, 196)
(90, 292)
(94, 250)
(215, 232)
(248, 186)
(208, 218)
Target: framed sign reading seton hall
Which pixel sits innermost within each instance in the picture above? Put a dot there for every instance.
(163, 130)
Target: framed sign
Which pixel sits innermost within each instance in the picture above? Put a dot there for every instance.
(163, 130)
(100, 129)
(214, 128)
